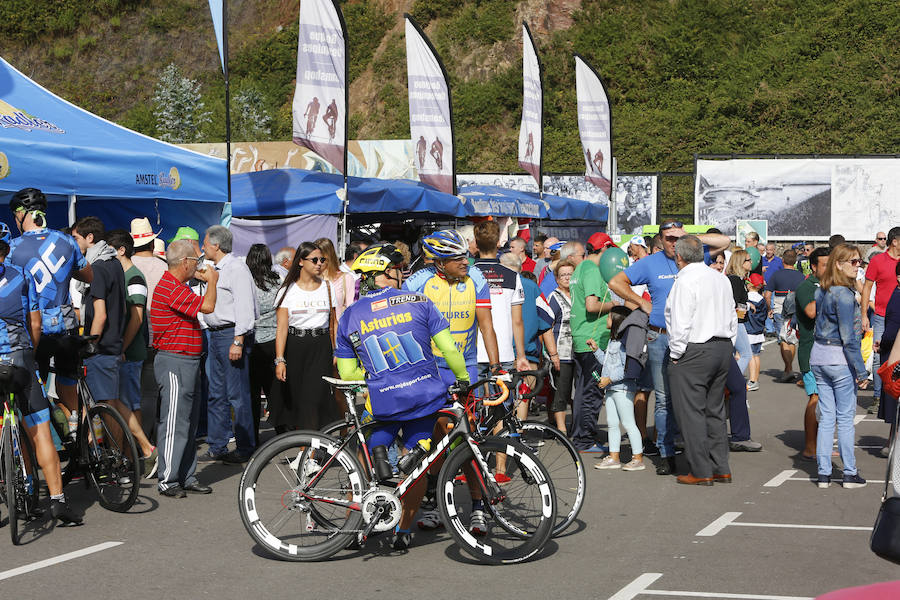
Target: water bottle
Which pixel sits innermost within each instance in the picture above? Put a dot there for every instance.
(98, 429)
(383, 468)
(60, 420)
(412, 458)
(73, 424)
(29, 485)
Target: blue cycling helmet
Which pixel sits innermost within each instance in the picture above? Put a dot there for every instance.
(446, 243)
(5, 234)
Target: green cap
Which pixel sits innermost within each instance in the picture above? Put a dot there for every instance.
(185, 233)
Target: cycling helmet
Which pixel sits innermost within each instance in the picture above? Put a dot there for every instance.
(374, 261)
(446, 243)
(377, 259)
(29, 200)
(5, 234)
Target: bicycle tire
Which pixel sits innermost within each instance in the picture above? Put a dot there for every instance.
(562, 460)
(286, 525)
(32, 499)
(9, 484)
(500, 545)
(112, 466)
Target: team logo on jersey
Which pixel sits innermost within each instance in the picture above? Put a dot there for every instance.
(389, 321)
(390, 351)
(405, 299)
(379, 305)
(10, 116)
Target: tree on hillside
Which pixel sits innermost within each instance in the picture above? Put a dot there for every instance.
(251, 120)
(178, 107)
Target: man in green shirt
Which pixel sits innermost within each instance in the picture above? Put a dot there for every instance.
(590, 303)
(806, 327)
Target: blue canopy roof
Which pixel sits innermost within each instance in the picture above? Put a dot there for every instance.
(483, 200)
(282, 192)
(49, 143)
(574, 209)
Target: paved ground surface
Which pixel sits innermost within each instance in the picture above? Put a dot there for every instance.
(638, 532)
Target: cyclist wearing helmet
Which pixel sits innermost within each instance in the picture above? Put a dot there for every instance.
(461, 292)
(390, 332)
(20, 320)
(50, 259)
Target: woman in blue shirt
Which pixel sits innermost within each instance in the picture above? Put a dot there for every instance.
(837, 364)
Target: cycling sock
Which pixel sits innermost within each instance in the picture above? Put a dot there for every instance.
(58, 497)
(477, 505)
(401, 531)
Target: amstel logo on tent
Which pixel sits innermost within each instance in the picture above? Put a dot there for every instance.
(4, 165)
(10, 116)
(172, 180)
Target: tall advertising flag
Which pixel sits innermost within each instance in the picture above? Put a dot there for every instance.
(531, 131)
(215, 9)
(320, 98)
(594, 125)
(430, 118)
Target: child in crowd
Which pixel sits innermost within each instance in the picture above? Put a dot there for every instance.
(619, 376)
(756, 326)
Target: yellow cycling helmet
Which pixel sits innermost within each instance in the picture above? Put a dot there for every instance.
(377, 259)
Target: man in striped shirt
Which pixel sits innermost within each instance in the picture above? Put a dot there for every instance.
(177, 339)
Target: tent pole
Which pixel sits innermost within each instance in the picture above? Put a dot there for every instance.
(227, 97)
(612, 218)
(343, 229)
(72, 216)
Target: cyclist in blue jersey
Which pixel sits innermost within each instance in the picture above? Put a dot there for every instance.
(20, 320)
(50, 259)
(462, 293)
(390, 333)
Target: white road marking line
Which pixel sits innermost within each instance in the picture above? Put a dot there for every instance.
(813, 480)
(780, 478)
(639, 586)
(635, 587)
(719, 524)
(859, 418)
(58, 559)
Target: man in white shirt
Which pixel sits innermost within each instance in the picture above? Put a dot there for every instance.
(702, 324)
(353, 250)
(282, 261)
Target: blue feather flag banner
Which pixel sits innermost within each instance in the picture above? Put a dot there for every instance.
(215, 9)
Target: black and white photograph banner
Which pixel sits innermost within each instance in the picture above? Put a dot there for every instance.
(800, 197)
(635, 203)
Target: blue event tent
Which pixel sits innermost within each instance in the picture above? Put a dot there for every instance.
(106, 170)
(483, 200)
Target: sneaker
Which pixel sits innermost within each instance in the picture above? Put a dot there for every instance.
(884, 452)
(595, 449)
(752, 386)
(61, 512)
(430, 520)
(650, 448)
(634, 465)
(124, 480)
(429, 502)
(666, 466)
(853, 481)
(608, 463)
(824, 481)
(234, 458)
(401, 541)
(785, 378)
(151, 463)
(873, 409)
(209, 457)
(478, 523)
(744, 446)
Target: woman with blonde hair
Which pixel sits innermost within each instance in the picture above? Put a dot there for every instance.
(343, 284)
(837, 364)
(737, 270)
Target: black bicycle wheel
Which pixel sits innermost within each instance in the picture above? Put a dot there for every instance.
(112, 458)
(299, 496)
(524, 508)
(563, 463)
(9, 483)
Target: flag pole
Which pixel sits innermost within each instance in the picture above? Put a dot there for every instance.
(227, 96)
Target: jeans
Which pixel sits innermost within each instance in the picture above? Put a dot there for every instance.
(229, 388)
(877, 323)
(620, 408)
(742, 347)
(664, 416)
(588, 401)
(837, 402)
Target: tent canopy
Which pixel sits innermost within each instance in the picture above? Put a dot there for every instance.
(282, 192)
(51, 144)
(483, 200)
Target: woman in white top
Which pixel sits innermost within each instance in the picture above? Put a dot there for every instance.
(343, 284)
(303, 346)
(560, 302)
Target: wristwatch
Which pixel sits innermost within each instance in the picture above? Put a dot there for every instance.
(237, 343)
(279, 360)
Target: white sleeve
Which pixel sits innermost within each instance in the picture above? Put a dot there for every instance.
(679, 316)
(518, 296)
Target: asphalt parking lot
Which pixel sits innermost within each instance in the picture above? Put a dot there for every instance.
(770, 534)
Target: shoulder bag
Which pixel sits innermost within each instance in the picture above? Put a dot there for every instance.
(885, 540)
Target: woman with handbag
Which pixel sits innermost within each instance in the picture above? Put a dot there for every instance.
(837, 364)
(304, 342)
(343, 284)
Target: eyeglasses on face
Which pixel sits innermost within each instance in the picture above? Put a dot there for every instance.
(881, 239)
(316, 260)
(854, 261)
(748, 260)
(672, 225)
(197, 258)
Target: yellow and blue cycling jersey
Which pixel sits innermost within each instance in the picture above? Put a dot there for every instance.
(457, 302)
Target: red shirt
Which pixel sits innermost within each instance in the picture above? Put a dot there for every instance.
(528, 264)
(173, 316)
(882, 270)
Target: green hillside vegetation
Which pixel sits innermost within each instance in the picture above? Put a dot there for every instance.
(684, 76)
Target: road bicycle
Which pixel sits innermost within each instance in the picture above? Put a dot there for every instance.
(305, 496)
(551, 446)
(19, 476)
(101, 448)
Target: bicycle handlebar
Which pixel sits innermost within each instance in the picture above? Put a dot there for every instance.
(539, 374)
(500, 381)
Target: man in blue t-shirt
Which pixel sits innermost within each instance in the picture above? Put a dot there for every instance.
(658, 272)
(51, 259)
(20, 320)
(389, 332)
(778, 287)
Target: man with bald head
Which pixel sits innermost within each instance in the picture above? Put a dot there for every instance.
(658, 271)
(517, 247)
